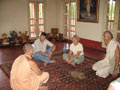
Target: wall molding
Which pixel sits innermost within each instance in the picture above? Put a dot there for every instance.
(91, 43)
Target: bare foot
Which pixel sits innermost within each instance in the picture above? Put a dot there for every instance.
(43, 88)
(52, 61)
(66, 61)
(45, 63)
(72, 65)
(49, 55)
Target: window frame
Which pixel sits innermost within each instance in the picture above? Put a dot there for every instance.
(36, 17)
(67, 32)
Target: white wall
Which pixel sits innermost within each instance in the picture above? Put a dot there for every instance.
(91, 31)
(50, 15)
(13, 15)
(60, 15)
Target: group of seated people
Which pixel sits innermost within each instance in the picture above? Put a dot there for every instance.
(26, 75)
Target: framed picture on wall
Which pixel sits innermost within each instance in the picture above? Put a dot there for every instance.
(88, 10)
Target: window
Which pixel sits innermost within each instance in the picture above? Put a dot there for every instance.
(36, 19)
(118, 21)
(70, 19)
(111, 13)
(112, 18)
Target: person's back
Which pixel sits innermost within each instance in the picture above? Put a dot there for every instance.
(22, 76)
(25, 74)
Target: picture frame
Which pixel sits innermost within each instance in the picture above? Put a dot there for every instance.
(88, 10)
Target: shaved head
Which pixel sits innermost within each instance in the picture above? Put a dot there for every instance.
(27, 47)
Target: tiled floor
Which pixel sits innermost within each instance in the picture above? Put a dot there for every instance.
(10, 53)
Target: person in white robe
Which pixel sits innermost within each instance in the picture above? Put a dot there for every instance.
(110, 64)
(114, 85)
(25, 74)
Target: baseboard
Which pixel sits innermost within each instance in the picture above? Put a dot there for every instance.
(90, 43)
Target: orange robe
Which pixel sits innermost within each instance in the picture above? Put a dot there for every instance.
(22, 77)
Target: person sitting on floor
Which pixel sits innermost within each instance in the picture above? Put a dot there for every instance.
(25, 74)
(40, 52)
(76, 54)
(114, 85)
(110, 64)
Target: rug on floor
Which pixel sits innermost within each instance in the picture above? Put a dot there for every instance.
(66, 77)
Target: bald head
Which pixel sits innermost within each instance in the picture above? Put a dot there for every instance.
(27, 47)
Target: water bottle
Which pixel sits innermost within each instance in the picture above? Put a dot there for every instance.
(64, 50)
